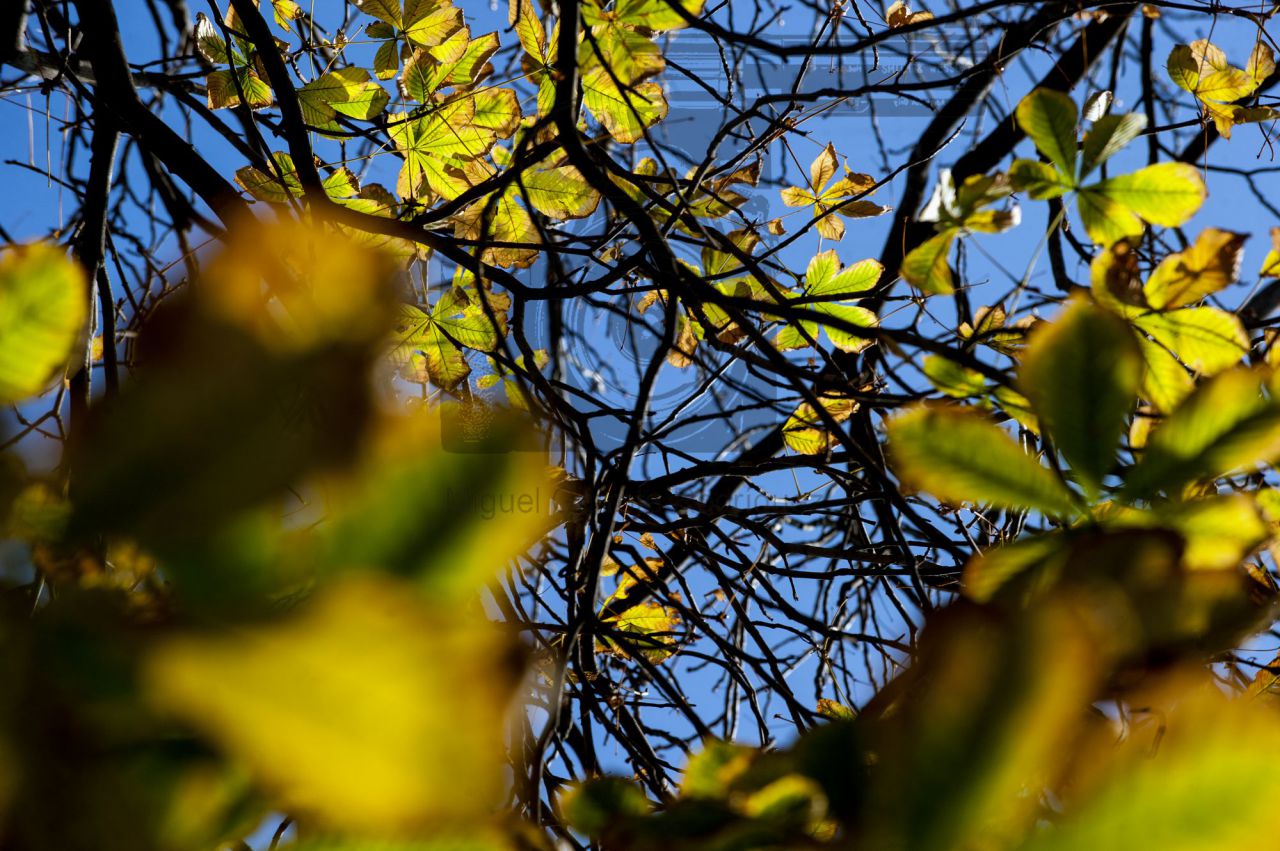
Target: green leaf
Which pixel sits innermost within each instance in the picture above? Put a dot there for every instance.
(829, 282)
(712, 770)
(657, 15)
(460, 61)
(927, 268)
(285, 11)
(1225, 426)
(791, 337)
(959, 455)
(524, 19)
(497, 110)
(387, 11)
(433, 143)
(506, 222)
(624, 114)
(594, 806)
(423, 353)
(806, 432)
(435, 27)
(345, 91)
(624, 53)
(953, 379)
(44, 303)
(851, 314)
(274, 187)
(1211, 755)
(386, 61)
(1082, 373)
(987, 572)
(833, 710)
(210, 43)
(560, 192)
(1049, 118)
(223, 89)
(1108, 135)
(1106, 220)
(1221, 531)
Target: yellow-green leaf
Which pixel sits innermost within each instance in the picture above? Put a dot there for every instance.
(1165, 382)
(1041, 181)
(1108, 135)
(927, 268)
(806, 432)
(44, 303)
(953, 379)
(560, 192)
(366, 710)
(988, 571)
(959, 455)
(1225, 426)
(1165, 194)
(624, 114)
(1081, 373)
(1220, 531)
(1049, 118)
(1204, 338)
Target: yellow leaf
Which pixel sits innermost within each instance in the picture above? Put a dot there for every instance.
(823, 168)
(806, 432)
(959, 455)
(366, 710)
(899, 15)
(44, 302)
(834, 710)
(1208, 265)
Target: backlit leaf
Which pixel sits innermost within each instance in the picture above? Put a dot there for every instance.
(953, 379)
(1204, 338)
(927, 266)
(1210, 264)
(365, 710)
(1049, 118)
(44, 303)
(959, 455)
(1108, 135)
(1227, 425)
(1081, 373)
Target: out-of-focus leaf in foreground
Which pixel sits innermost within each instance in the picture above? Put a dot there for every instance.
(367, 710)
(43, 306)
(257, 377)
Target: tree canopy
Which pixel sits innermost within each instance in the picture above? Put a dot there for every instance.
(638, 424)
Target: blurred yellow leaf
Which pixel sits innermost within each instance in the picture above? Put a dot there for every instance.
(43, 305)
(1203, 778)
(297, 284)
(450, 519)
(367, 710)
